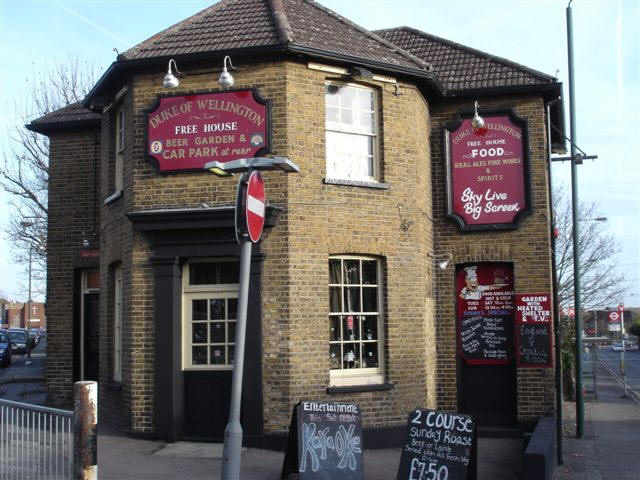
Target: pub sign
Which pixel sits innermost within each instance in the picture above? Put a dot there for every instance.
(487, 171)
(185, 132)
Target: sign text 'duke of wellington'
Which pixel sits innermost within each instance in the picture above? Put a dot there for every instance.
(487, 171)
(185, 132)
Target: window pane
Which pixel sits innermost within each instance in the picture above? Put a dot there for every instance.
(369, 299)
(199, 333)
(217, 332)
(198, 309)
(217, 355)
(333, 117)
(231, 332)
(232, 306)
(334, 271)
(370, 327)
(351, 357)
(365, 123)
(331, 96)
(370, 355)
(213, 273)
(346, 116)
(352, 299)
(334, 356)
(369, 273)
(365, 99)
(217, 309)
(93, 279)
(334, 299)
(351, 272)
(199, 355)
(231, 351)
(334, 334)
(348, 96)
(351, 328)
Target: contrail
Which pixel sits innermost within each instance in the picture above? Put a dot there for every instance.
(86, 20)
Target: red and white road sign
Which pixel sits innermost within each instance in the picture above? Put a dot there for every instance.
(621, 308)
(614, 317)
(255, 206)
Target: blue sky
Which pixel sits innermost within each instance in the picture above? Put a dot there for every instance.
(533, 33)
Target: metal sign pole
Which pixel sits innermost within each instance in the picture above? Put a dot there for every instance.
(233, 433)
(622, 369)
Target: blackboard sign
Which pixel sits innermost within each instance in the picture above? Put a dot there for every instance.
(485, 313)
(438, 446)
(533, 330)
(325, 442)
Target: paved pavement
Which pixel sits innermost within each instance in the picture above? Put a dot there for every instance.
(610, 447)
(609, 450)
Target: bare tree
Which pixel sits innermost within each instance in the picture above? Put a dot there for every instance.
(600, 279)
(24, 173)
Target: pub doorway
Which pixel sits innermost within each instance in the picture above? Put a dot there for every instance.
(210, 305)
(487, 375)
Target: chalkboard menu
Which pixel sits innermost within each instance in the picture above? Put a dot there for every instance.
(438, 446)
(325, 442)
(533, 330)
(485, 313)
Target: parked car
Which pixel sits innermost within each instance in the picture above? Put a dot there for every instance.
(617, 346)
(32, 335)
(18, 340)
(5, 349)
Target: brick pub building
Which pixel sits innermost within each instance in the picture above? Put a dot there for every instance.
(347, 298)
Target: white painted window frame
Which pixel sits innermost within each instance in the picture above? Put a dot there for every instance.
(343, 129)
(203, 292)
(361, 376)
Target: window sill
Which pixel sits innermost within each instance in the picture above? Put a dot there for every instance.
(113, 197)
(356, 183)
(361, 388)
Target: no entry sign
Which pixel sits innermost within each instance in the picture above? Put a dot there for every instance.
(255, 206)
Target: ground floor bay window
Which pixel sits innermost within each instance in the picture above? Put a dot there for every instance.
(355, 321)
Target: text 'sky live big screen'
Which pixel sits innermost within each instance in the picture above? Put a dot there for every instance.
(488, 184)
(186, 132)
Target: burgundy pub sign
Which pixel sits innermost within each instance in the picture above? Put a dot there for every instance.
(187, 131)
(487, 171)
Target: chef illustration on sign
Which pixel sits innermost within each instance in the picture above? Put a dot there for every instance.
(473, 291)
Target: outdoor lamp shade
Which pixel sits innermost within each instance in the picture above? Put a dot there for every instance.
(170, 80)
(226, 79)
(477, 122)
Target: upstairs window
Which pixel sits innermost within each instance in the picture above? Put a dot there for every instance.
(119, 149)
(351, 132)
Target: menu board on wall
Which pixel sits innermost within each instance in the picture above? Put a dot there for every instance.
(487, 171)
(485, 310)
(184, 132)
(325, 442)
(533, 330)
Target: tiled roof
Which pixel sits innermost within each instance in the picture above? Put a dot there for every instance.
(459, 67)
(74, 114)
(238, 24)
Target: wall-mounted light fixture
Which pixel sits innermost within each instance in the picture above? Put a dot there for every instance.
(442, 259)
(226, 79)
(360, 73)
(170, 80)
(477, 122)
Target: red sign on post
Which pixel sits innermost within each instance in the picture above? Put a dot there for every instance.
(533, 330)
(255, 206)
(185, 132)
(488, 171)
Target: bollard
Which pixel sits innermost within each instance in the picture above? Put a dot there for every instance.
(85, 435)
